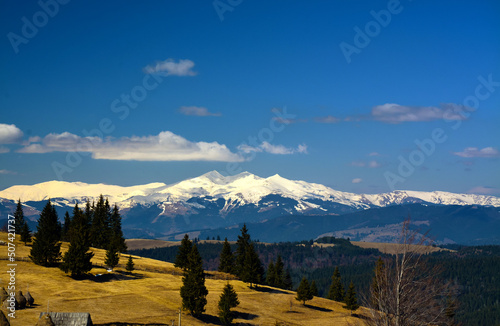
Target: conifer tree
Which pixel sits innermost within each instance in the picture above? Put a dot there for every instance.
(66, 227)
(25, 233)
(100, 224)
(253, 271)
(130, 264)
(271, 275)
(336, 292)
(112, 256)
(116, 230)
(18, 217)
(228, 299)
(375, 286)
(226, 261)
(351, 302)
(193, 290)
(314, 289)
(77, 260)
(304, 291)
(181, 260)
(242, 245)
(279, 270)
(46, 249)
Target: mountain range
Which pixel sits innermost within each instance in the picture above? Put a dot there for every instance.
(213, 201)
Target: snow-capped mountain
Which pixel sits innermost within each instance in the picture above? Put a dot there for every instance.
(213, 200)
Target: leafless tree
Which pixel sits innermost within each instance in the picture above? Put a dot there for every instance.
(405, 290)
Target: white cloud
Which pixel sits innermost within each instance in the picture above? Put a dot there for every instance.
(171, 68)
(273, 149)
(370, 164)
(475, 152)
(357, 180)
(7, 172)
(374, 164)
(166, 146)
(10, 134)
(197, 111)
(395, 113)
(327, 119)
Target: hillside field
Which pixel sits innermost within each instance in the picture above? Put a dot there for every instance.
(151, 295)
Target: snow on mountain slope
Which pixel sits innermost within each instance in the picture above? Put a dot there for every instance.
(244, 188)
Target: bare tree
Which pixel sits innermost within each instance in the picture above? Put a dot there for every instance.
(405, 290)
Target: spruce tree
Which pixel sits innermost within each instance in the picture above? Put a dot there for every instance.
(336, 292)
(350, 300)
(181, 260)
(242, 246)
(116, 230)
(287, 281)
(226, 261)
(112, 256)
(193, 290)
(253, 271)
(228, 299)
(271, 274)
(46, 249)
(25, 233)
(18, 217)
(100, 224)
(314, 289)
(66, 227)
(304, 291)
(279, 270)
(77, 260)
(130, 264)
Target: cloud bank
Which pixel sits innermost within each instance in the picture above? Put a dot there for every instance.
(395, 113)
(273, 149)
(476, 152)
(171, 68)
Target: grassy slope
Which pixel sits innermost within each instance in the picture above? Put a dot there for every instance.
(151, 295)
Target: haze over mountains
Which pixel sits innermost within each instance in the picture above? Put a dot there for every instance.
(214, 201)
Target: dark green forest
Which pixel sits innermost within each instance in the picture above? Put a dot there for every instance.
(473, 270)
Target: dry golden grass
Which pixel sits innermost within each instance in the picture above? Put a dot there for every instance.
(151, 295)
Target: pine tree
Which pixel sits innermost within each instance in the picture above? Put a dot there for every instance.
(25, 233)
(77, 260)
(271, 275)
(66, 227)
(242, 245)
(350, 300)
(279, 271)
(336, 292)
(116, 230)
(100, 224)
(193, 290)
(253, 271)
(112, 256)
(181, 260)
(18, 217)
(314, 289)
(287, 281)
(226, 261)
(46, 249)
(130, 264)
(304, 291)
(228, 299)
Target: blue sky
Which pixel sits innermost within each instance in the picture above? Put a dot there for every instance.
(336, 92)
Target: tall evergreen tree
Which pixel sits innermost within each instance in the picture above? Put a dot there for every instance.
(25, 233)
(279, 270)
(314, 289)
(66, 227)
(351, 302)
(271, 274)
(242, 246)
(336, 292)
(100, 224)
(193, 290)
(253, 271)
(181, 260)
(18, 217)
(46, 249)
(287, 281)
(304, 291)
(112, 256)
(116, 230)
(77, 260)
(226, 261)
(228, 299)
(130, 264)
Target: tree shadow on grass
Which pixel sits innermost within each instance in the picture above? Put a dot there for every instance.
(318, 308)
(268, 289)
(244, 315)
(209, 319)
(114, 276)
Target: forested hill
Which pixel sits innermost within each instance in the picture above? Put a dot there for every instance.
(474, 270)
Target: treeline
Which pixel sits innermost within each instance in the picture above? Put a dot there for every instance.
(97, 225)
